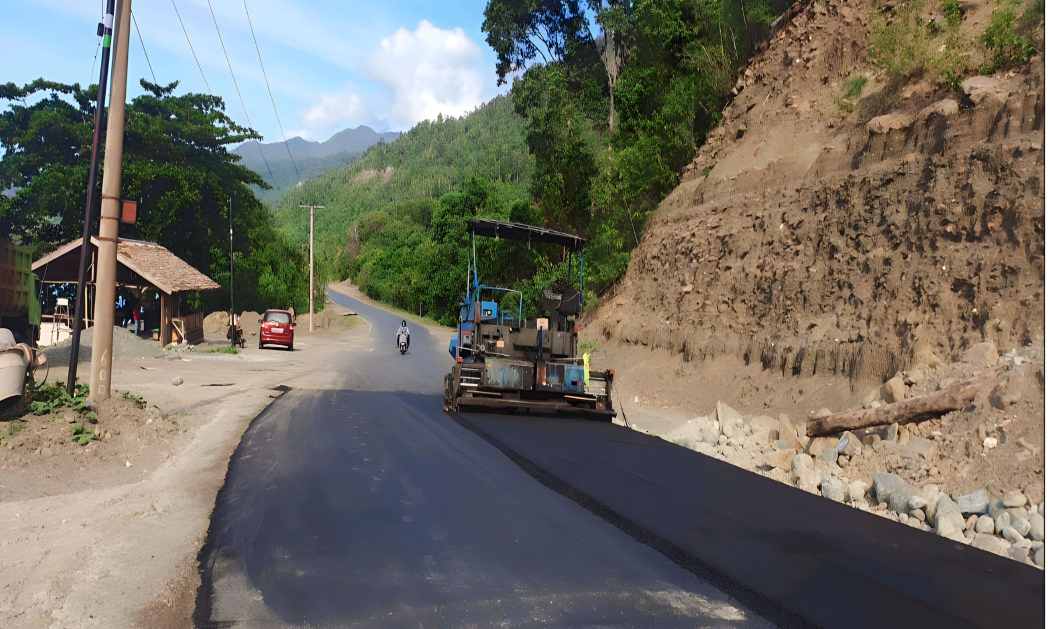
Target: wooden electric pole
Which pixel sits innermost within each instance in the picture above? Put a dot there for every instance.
(109, 223)
(312, 210)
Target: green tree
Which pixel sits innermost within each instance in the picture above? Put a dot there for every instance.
(176, 165)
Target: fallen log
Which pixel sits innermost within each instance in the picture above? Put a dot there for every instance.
(952, 398)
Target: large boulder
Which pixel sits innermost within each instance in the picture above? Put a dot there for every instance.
(778, 459)
(894, 390)
(1037, 527)
(833, 489)
(731, 422)
(884, 484)
(698, 430)
(981, 355)
(991, 544)
(1014, 499)
(789, 436)
(764, 429)
(849, 445)
(819, 445)
(857, 490)
(977, 502)
(930, 493)
(949, 522)
(803, 474)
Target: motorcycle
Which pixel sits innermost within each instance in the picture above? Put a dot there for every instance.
(402, 344)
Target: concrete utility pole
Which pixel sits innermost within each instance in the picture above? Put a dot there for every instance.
(106, 31)
(109, 224)
(312, 209)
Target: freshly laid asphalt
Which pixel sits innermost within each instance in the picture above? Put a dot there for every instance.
(363, 504)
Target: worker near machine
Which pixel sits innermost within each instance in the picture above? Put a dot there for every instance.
(402, 330)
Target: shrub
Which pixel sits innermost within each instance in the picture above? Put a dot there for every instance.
(952, 11)
(902, 47)
(853, 88)
(50, 398)
(82, 435)
(910, 46)
(1008, 37)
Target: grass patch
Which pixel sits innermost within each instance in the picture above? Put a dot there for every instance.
(225, 349)
(952, 12)
(83, 435)
(588, 347)
(853, 87)
(48, 398)
(1009, 39)
(907, 45)
(851, 93)
(13, 427)
(134, 398)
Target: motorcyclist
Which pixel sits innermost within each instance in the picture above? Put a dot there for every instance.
(402, 331)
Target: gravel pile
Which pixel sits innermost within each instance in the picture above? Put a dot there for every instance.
(126, 346)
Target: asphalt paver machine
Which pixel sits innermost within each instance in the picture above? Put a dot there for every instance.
(504, 361)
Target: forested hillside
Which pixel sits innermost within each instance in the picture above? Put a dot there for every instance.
(380, 213)
(285, 165)
(610, 100)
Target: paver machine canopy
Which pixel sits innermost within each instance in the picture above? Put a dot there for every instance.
(506, 361)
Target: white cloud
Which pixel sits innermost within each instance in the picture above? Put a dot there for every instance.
(430, 71)
(331, 113)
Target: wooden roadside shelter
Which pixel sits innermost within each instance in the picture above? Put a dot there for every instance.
(140, 265)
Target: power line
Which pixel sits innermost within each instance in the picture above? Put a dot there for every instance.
(191, 49)
(145, 53)
(98, 47)
(236, 86)
(298, 174)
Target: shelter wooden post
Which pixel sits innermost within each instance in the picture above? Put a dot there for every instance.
(168, 308)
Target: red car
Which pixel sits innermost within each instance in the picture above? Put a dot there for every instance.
(277, 328)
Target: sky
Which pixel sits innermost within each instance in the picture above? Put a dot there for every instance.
(332, 64)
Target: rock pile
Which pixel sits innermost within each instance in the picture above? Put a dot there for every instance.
(1009, 525)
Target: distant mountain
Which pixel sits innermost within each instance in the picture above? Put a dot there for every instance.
(313, 158)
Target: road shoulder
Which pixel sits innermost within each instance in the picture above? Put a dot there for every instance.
(121, 552)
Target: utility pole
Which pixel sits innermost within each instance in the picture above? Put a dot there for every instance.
(312, 209)
(109, 223)
(232, 321)
(105, 29)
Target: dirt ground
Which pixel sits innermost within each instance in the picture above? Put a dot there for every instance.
(106, 534)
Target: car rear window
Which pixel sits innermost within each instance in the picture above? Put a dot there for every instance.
(278, 317)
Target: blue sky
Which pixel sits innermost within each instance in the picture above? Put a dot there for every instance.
(332, 64)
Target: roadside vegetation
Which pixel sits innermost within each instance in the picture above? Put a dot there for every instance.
(919, 39)
(609, 101)
(224, 349)
(176, 165)
(51, 398)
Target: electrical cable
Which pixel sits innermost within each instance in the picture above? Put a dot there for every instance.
(145, 52)
(236, 86)
(280, 124)
(98, 47)
(191, 49)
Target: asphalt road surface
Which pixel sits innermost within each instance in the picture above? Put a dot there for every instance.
(362, 504)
